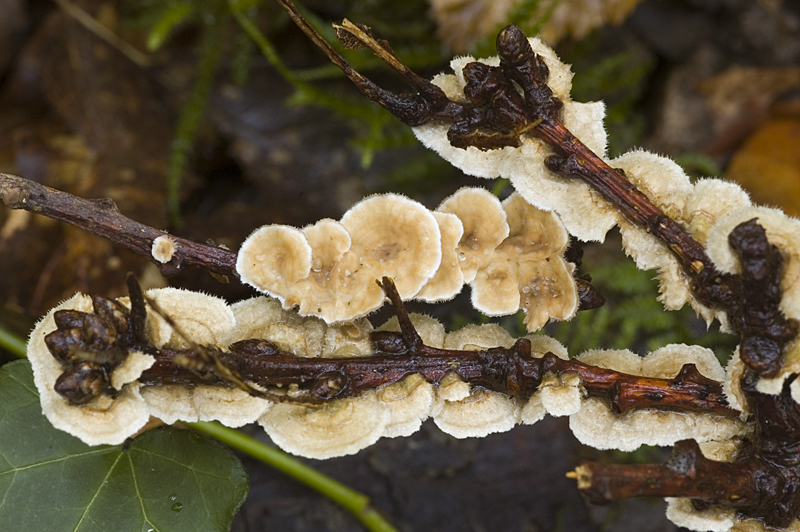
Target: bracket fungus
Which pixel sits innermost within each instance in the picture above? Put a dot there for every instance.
(595, 424)
(329, 269)
(582, 210)
(163, 249)
(512, 256)
(312, 371)
(103, 419)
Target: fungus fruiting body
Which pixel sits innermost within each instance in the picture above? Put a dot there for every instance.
(163, 249)
(511, 255)
(311, 370)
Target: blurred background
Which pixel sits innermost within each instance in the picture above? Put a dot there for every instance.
(209, 119)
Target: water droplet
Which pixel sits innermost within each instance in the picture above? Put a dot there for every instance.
(526, 289)
(462, 256)
(173, 497)
(177, 507)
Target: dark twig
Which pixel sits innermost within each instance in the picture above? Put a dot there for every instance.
(764, 480)
(102, 218)
(514, 371)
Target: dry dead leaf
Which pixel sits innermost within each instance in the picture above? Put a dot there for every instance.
(463, 22)
(768, 164)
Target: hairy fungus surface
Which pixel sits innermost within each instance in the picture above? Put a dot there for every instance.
(584, 213)
(163, 249)
(697, 207)
(336, 429)
(329, 269)
(449, 278)
(104, 420)
(273, 259)
(484, 227)
(596, 425)
(512, 256)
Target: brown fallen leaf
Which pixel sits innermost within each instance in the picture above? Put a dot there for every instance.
(463, 22)
(768, 164)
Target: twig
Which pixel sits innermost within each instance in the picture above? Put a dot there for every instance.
(101, 217)
(515, 371)
(764, 480)
(88, 22)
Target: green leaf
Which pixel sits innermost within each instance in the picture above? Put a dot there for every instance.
(168, 480)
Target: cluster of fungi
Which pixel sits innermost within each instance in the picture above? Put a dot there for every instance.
(313, 360)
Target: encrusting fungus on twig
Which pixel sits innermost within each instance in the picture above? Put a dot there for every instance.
(334, 404)
(313, 404)
(103, 367)
(511, 116)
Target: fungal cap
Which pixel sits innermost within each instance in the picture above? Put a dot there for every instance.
(527, 270)
(316, 294)
(548, 290)
(714, 519)
(230, 406)
(478, 337)
(103, 421)
(480, 414)
(409, 402)
(273, 258)
(731, 386)
(338, 428)
(484, 227)
(204, 319)
(561, 395)
(596, 425)
(397, 237)
(452, 388)
(347, 339)
(170, 402)
(449, 279)
(163, 248)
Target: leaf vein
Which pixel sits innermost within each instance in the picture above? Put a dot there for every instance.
(56, 460)
(139, 495)
(96, 493)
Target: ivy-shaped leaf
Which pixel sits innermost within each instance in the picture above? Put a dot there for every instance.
(167, 480)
